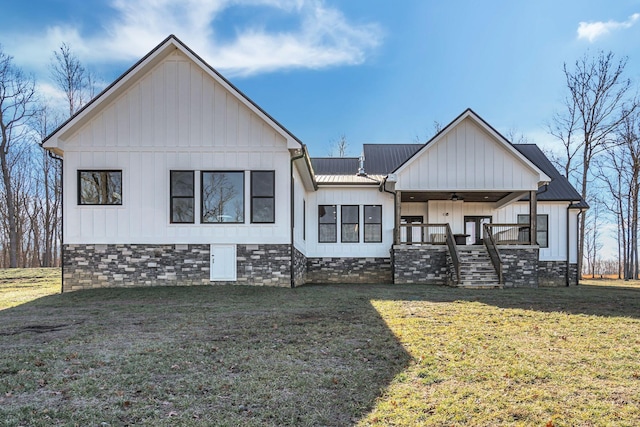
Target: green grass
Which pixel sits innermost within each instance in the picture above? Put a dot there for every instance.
(322, 355)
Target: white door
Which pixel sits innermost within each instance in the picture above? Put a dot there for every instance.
(223, 265)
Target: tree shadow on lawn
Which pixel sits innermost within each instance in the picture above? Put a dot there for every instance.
(223, 355)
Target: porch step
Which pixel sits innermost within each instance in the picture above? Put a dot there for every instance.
(476, 269)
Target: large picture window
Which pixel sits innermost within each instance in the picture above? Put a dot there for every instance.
(373, 223)
(99, 187)
(327, 229)
(350, 222)
(222, 197)
(182, 197)
(542, 232)
(263, 204)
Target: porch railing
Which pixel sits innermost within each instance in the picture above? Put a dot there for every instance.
(453, 251)
(508, 234)
(492, 249)
(420, 234)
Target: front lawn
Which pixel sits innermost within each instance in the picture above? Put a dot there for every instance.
(322, 355)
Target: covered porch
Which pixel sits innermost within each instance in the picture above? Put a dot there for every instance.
(471, 217)
(466, 238)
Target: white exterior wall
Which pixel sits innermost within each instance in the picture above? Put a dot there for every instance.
(557, 211)
(176, 117)
(345, 195)
(467, 158)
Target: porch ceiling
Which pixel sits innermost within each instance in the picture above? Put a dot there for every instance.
(467, 196)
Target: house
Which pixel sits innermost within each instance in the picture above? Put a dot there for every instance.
(174, 176)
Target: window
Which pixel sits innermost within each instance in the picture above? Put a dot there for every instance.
(542, 232)
(182, 197)
(350, 220)
(373, 223)
(327, 228)
(263, 204)
(222, 197)
(304, 220)
(99, 187)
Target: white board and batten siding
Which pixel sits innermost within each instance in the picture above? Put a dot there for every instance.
(345, 195)
(176, 117)
(556, 211)
(467, 157)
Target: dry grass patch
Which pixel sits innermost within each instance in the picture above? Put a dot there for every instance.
(556, 357)
(21, 285)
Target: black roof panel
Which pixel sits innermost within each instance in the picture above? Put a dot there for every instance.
(335, 165)
(382, 159)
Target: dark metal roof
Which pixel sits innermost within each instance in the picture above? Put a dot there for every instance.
(559, 189)
(382, 159)
(335, 165)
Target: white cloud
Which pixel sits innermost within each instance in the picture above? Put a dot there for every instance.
(321, 36)
(593, 30)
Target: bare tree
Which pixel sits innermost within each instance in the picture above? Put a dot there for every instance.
(50, 185)
(516, 137)
(72, 78)
(437, 128)
(597, 94)
(339, 147)
(17, 106)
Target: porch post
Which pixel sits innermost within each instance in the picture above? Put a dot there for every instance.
(396, 227)
(533, 217)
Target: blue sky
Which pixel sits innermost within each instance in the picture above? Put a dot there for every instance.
(372, 70)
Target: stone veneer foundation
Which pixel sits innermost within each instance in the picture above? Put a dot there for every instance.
(553, 273)
(428, 264)
(101, 266)
(348, 270)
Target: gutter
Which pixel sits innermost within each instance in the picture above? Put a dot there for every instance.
(292, 210)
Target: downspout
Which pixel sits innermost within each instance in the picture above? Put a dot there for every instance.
(291, 205)
(568, 243)
(579, 255)
(382, 188)
(54, 157)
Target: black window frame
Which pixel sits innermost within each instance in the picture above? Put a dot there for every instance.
(366, 222)
(192, 197)
(81, 171)
(343, 223)
(538, 230)
(202, 201)
(304, 220)
(334, 223)
(272, 197)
